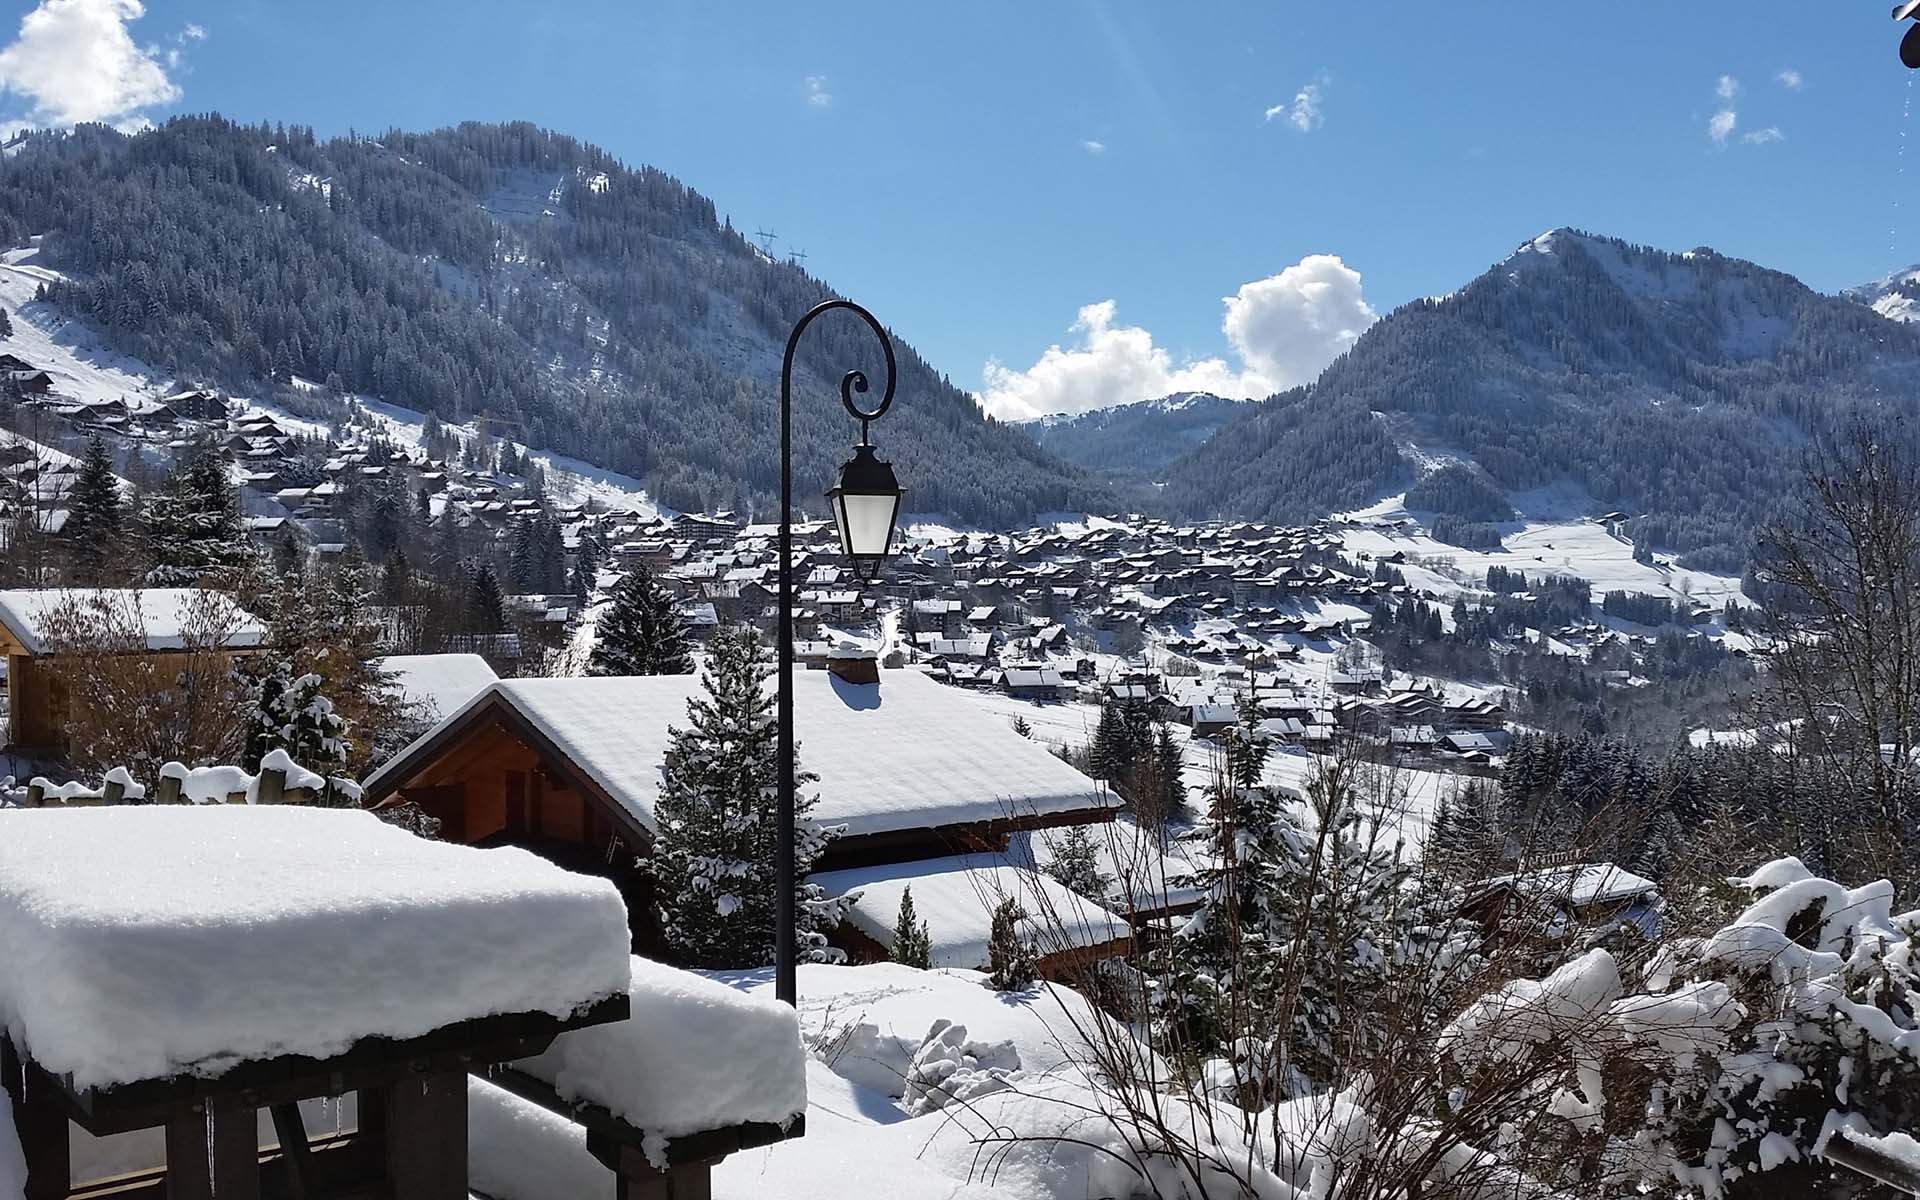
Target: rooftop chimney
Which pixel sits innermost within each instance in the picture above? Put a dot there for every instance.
(855, 664)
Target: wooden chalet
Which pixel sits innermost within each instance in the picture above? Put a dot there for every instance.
(571, 769)
(176, 624)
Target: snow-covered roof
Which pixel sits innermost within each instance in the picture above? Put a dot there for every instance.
(442, 682)
(1579, 885)
(696, 1055)
(147, 942)
(1142, 876)
(167, 615)
(905, 753)
(956, 898)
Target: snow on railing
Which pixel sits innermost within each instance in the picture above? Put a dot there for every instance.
(279, 781)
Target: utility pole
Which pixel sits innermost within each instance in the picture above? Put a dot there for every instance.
(767, 239)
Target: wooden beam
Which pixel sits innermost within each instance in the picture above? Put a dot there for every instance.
(426, 1136)
(295, 1151)
(369, 1063)
(213, 1152)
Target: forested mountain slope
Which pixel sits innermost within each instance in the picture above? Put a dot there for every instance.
(603, 311)
(1676, 386)
(1144, 436)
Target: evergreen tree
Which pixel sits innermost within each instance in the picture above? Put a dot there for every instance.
(640, 631)
(1108, 753)
(1021, 726)
(6, 324)
(486, 607)
(912, 941)
(1169, 763)
(1076, 863)
(291, 714)
(93, 528)
(192, 525)
(1010, 963)
(713, 860)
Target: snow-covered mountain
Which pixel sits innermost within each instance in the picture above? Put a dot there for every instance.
(1680, 386)
(1143, 436)
(1895, 296)
(606, 311)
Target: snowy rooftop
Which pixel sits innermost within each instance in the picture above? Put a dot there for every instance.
(695, 1055)
(904, 753)
(956, 898)
(1580, 884)
(141, 943)
(170, 617)
(439, 682)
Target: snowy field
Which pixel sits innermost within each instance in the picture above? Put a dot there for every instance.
(1568, 546)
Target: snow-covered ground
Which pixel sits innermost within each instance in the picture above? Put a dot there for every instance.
(1568, 546)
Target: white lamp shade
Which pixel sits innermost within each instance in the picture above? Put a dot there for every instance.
(866, 523)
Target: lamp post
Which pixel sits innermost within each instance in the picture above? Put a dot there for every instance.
(866, 506)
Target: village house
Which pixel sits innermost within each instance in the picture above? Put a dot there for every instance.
(173, 624)
(571, 769)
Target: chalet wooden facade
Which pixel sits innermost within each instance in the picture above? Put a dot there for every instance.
(176, 624)
(570, 768)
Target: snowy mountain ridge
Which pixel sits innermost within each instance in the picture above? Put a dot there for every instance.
(1676, 386)
(1138, 437)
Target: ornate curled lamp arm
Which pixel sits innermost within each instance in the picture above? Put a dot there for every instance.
(852, 381)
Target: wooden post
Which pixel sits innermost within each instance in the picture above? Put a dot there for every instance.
(112, 792)
(41, 1121)
(36, 794)
(426, 1136)
(637, 1179)
(213, 1151)
(272, 788)
(167, 791)
(291, 1130)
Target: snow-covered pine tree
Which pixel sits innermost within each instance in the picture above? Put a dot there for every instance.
(1010, 964)
(96, 508)
(291, 714)
(1221, 964)
(640, 631)
(1021, 726)
(1076, 863)
(192, 525)
(6, 324)
(912, 941)
(713, 861)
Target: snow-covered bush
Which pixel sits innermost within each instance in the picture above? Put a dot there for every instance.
(1743, 1053)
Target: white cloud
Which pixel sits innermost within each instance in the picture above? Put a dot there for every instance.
(1790, 79)
(1727, 88)
(1306, 112)
(1764, 137)
(75, 61)
(1720, 126)
(1283, 329)
(817, 93)
(1091, 146)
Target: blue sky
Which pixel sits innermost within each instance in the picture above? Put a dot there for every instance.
(986, 175)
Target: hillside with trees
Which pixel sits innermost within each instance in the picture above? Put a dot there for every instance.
(1677, 387)
(603, 311)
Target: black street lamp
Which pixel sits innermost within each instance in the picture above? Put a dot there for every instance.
(866, 506)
